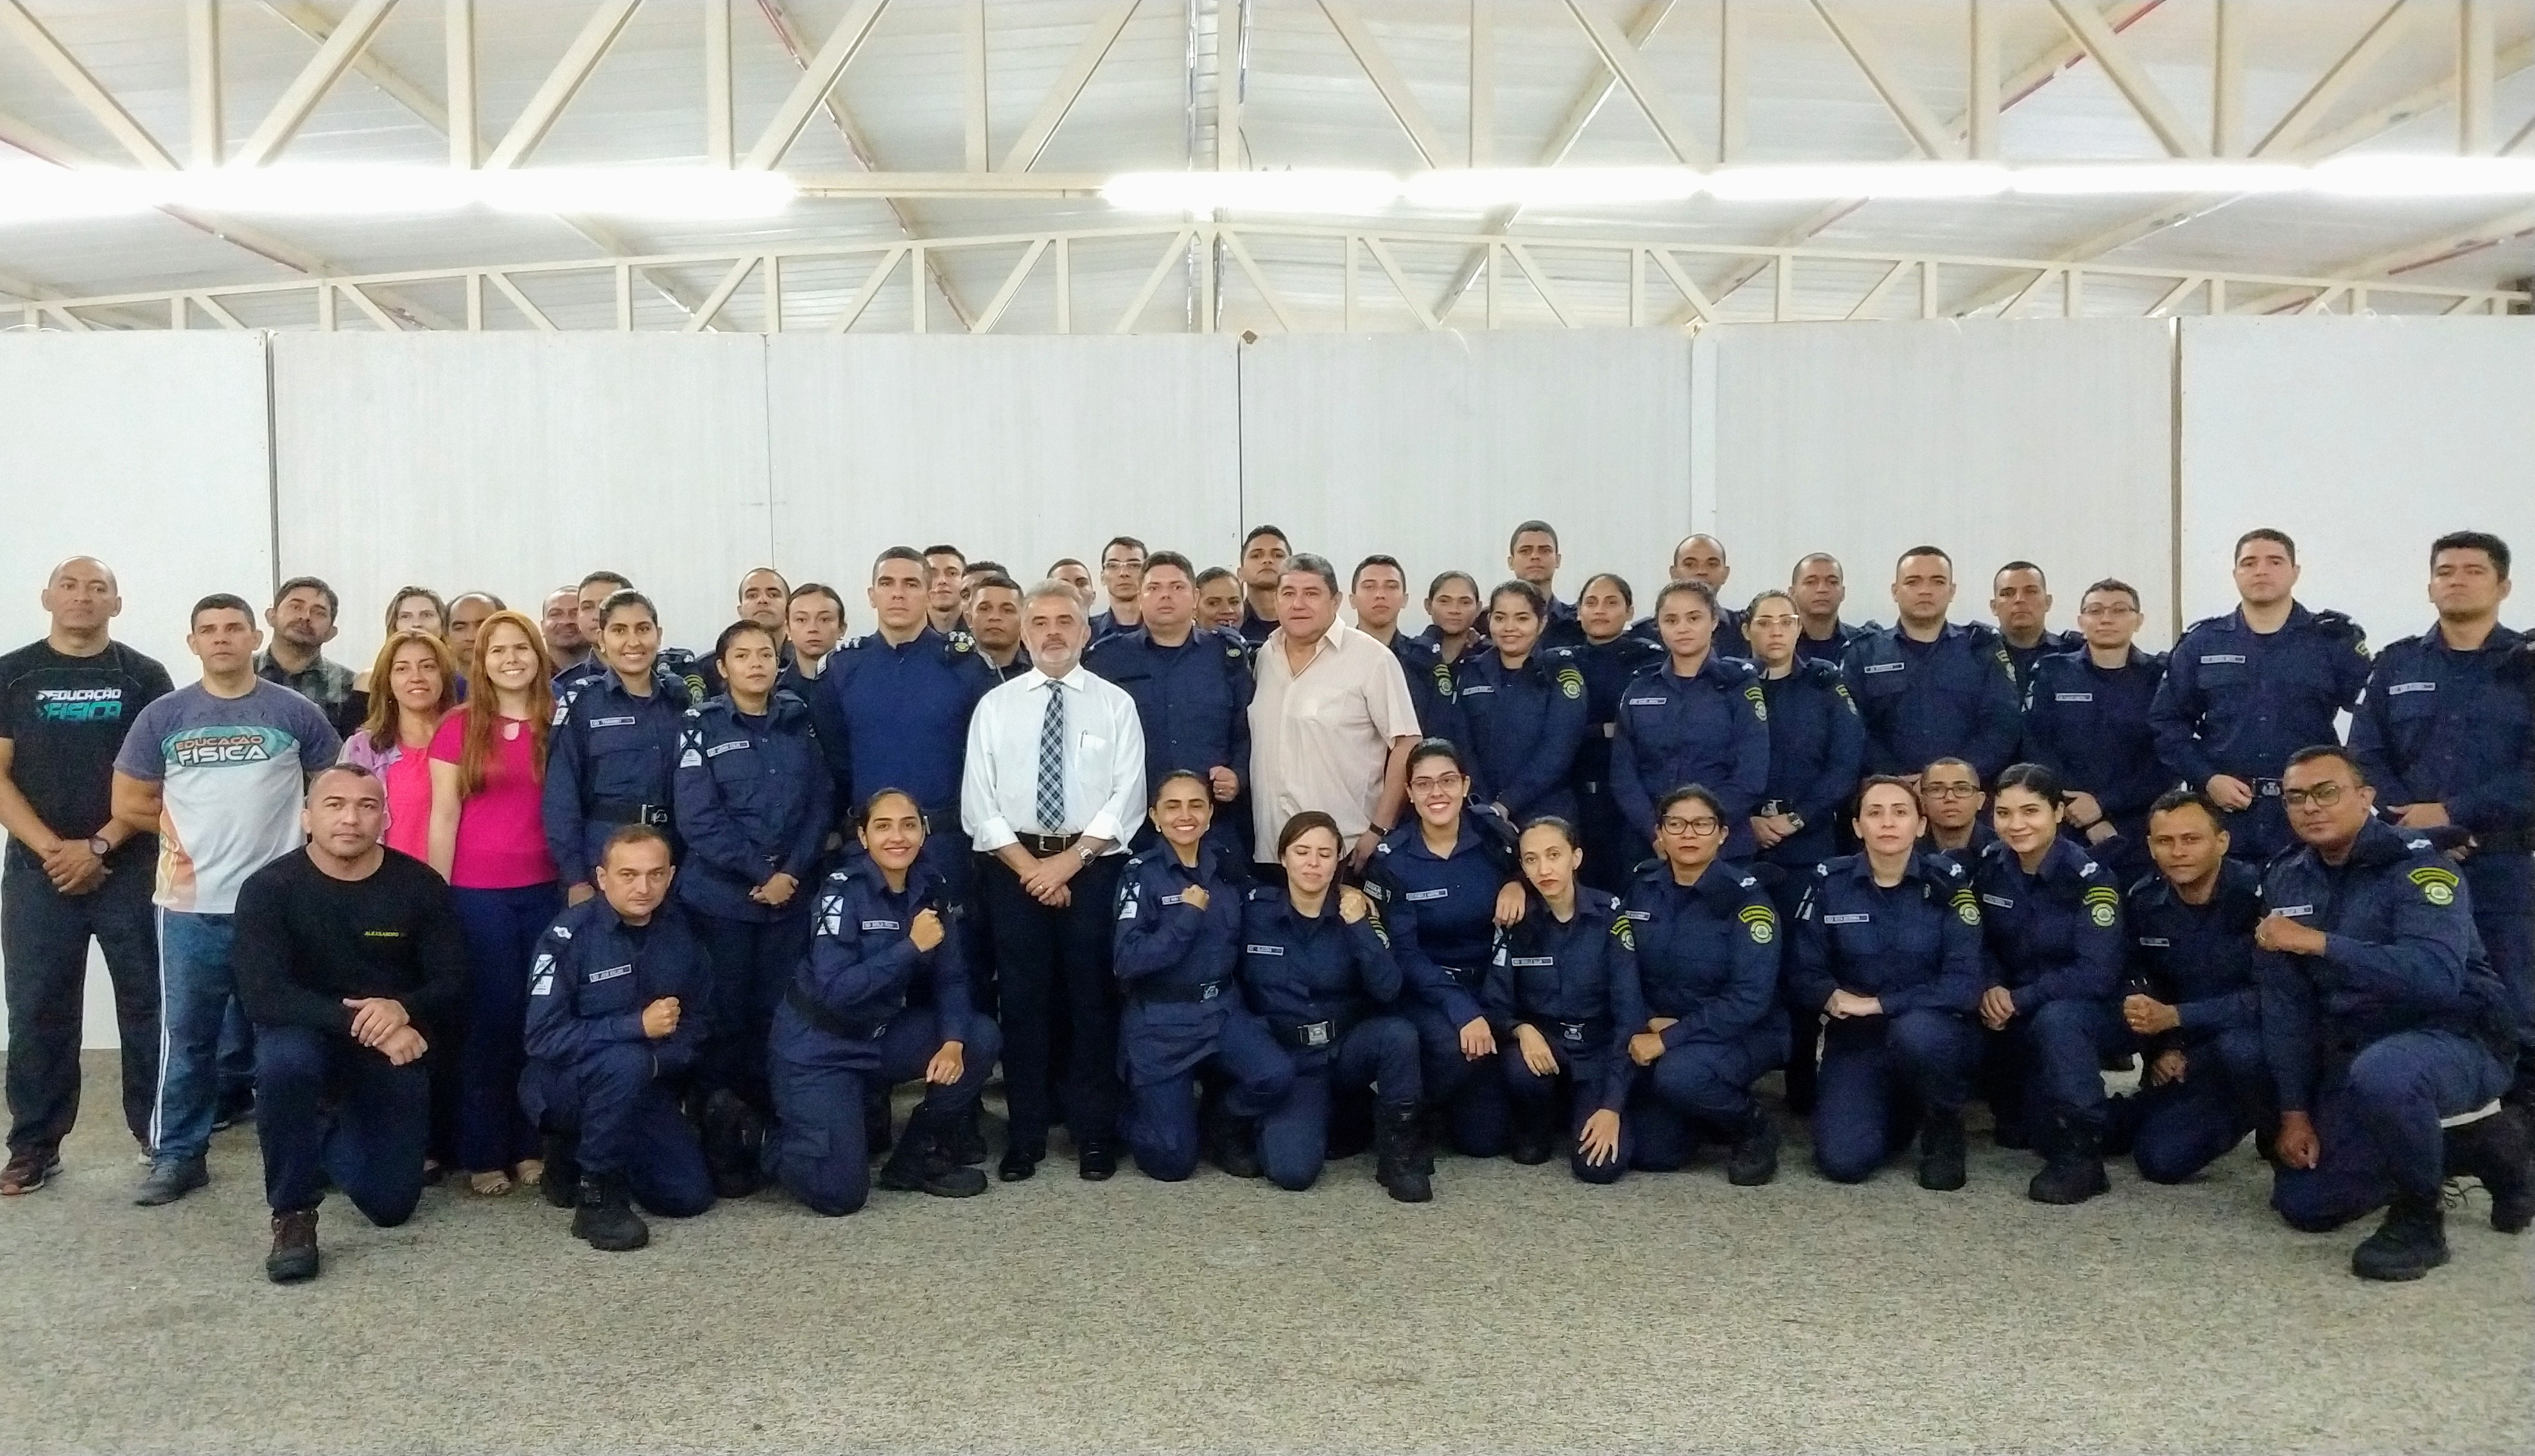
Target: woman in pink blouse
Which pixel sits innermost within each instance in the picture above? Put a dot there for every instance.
(422, 679)
(488, 839)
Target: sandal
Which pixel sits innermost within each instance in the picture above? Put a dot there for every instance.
(530, 1173)
(489, 1184)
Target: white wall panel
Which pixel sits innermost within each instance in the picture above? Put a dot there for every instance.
(1432, 446)
(1019, 449)
(148, 450)
(2365, 438)
(516, 462)
(2045, 440)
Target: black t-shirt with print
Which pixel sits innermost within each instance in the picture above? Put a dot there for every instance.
(67, 717)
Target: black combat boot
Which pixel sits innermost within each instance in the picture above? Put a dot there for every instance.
(921, 1163)
(2499, 1151)
(2410, 1242)
(1534, 1134)
(1430, 1136)
(1755, 1158)
(1395, 1151)
(606, 1218)
(1236, 1147)
(966, 1137)
(562, 1182)
(1940, 1150)
(733, 1139)
(2072, 1170)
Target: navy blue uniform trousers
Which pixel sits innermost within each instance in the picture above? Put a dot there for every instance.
(328, 1106)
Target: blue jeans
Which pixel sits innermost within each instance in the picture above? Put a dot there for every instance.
(500, 928)
(196, 987)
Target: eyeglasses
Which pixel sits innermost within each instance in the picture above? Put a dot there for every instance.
(2109, 609)
(1950, 791)
(1441, 784)
(2321, 796)
(1701, 827)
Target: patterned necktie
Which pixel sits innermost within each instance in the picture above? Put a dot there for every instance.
(1051, 763)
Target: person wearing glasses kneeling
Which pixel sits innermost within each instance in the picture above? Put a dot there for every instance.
(847, 1023)
(2050, 914)
(1888, 944)
(1445, 883)
(1563, 995)
(1708, 960)
(1178, 955)
(1317, 965)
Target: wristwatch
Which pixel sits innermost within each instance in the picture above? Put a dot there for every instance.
(97, 846)
(1087, 853)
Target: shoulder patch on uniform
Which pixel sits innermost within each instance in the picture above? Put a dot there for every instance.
(1760, 704)
(1627, 935)
(691, 758)
(1967, 906)
(560, 931)
(2103, 904)
(2438, 885)
(1760, 921)
(1570, 682)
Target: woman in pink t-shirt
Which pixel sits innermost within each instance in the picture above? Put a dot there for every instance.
(488, 838)
(422, 679)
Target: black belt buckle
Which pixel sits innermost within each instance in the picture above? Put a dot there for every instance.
(1209, 991)
(2266, 788)
(1771, 808)
(1313, 1034)
(1573, 1032)
(1457, 976)
(1047, 844)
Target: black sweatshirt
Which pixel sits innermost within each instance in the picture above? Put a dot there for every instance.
(305, 941)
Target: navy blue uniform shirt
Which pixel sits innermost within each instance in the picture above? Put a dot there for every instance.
(1954, 698)
(1297, 969)
(1914, 947)
(1441, 912)
(1816, 756)
(753, 801)
(2056, 934)
(1165, 944)
(2440, 726)
(897, 718)
(1193, 699)
(1525, 726)
(1710, 729)
(1576, 983)
(612, 757)
(2239, 701)
(1707, 954)
(594, 974)
(2198, 958)
(863, 967)
(2090, 726)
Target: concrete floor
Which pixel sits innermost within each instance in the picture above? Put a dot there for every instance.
(1519, 1311)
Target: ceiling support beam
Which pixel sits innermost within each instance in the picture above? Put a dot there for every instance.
(1933, 138)
(562, 83)
(2130, 78)
(314, 81)
(1388, 82)
(2355, 63)
(819, 77)
(1629, 64)
(1058, 104)
(98, 102)
(206, 141)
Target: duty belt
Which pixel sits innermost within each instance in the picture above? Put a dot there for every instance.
(1457, 976)
(1312, 1036)
(625, 812)
(822, 1019)
(1590, 1034)
(1203, 991)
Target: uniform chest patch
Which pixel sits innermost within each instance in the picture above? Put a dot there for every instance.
(2212, 658)
(1848, 920)
(881, 925)
(2156, 943)
(624, 721)
(719, 749)
(2073, 698)
(1649, 701)
(2000, 902)
(609, 974)
(1414, 897)
(1174, 899)
(1263, 950)
(1478, 689)
(1876, 667)
(1534, 960)
(2294, 911)
(2397, 690)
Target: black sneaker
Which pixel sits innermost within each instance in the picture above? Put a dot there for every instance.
(734, 1139)
(170, 1179)
(1941, 1152)
(233, 1108)
(295, 1258)
(2498, 1150)
(1755, 1158)
(606, 1218)
(2410, 1242)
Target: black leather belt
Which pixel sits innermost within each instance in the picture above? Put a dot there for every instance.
(1203, 991)
(1457, 976)
(822, 1019)
(621, 812)
(1313, 1036)
(1047, 844)
(1594, 1034)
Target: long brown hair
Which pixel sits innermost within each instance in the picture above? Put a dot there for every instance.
(381, 725)
(483, 702)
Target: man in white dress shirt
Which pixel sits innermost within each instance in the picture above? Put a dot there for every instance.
(1052, 789)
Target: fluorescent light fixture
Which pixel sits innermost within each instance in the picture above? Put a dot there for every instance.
(1314, 190)
(1550, 187)
(2386, 174)
(1809, 182)
(36, 193)
(2119, 178)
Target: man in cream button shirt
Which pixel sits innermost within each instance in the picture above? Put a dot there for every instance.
(1331, 722)
(1051, 790)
